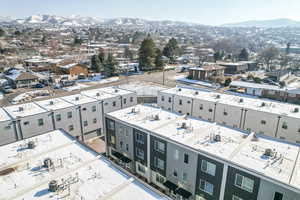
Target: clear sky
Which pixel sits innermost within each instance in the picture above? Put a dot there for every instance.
(212, 12)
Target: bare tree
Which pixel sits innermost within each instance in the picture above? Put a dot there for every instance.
(268, 55)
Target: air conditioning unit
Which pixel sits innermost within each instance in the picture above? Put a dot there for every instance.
(156, 117)
(183, 125)
(53, 186)
(241, 100)
(48, 163)
(21, 109)
(31, 145)
(51, 103)
(296, 110)
(97, 94)
(76, 98)
(217, 138)
(269, 152)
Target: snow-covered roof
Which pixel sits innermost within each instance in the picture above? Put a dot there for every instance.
(235, 147)
(78, 99)
(255, 85)
(54, 104)
(143, 89)
(89, 175)
(98, 94)
(115, 90)
(24, 110)
(263, 105)
(68, 66)
(3, 116)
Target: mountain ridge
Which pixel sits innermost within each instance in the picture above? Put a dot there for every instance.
(272, 23)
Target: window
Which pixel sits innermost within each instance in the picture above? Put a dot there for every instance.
(188, 102)
(162, 98)
(113, 103)
(159, 163)
(244, 183)
(139, 138)
(175, 173)
(225, 113)
(127, 147)
(201, 107)
(236, 198)
(210, 110)
(112, 139)
(110, 125)
(69, 115)
(176, 154)
(284, 125)
(26, 123)
(180, 102)
(184, 176)
(208, 167)
(159, 146)
(170, 100)
(40, 122)
(186, 158)
(278, 196)
(206, 187)
(85, 123)
(121, 144)
(298, 130)
(124, 101)
(131, 99)
(139, 153)
(263, 122)
(95, 120)
(71, 128)
(141, 169)
(7, 127)
(58, 117)
(180, 111)
(94, 108)
(84, 109)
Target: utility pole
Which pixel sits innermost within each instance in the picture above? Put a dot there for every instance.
(163, 76)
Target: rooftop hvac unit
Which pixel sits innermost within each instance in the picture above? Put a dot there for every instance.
(116, 90)
(97, 94)
(263, 104)
(183, 125)
(269, 152)
(218, 96)
(296, 110)
(53, 186)
(31, 145)
(254, 138)
(156, 117)
(21, 109)
(133, 110)
(76, 98)
(241, 100)
(48, 163)
(217, 138)
(51, 102)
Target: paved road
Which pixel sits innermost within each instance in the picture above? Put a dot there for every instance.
(154, 78)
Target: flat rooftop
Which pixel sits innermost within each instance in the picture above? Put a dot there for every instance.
(54, 104)
(3, 116)
(98, 94)
(78, 99)
(235, 146)
(80, 172)
(115, 90)
(263, 105)
(24, 110)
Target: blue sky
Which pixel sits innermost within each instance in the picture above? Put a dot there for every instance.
(213, 12)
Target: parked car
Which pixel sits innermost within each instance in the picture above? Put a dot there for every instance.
(38, 85)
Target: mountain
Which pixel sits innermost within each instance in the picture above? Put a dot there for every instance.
(274, 23)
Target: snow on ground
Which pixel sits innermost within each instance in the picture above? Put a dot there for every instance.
(98, 79)
(30, 95)
(182, 79)
(1, 96)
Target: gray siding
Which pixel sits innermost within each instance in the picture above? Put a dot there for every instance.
(7, 132)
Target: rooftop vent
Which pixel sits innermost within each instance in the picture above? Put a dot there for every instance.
(31, 145)
(183, 125)
(116, 90)
(133, 110)
(254, 138)
(179, 89)
(97, 94)
(76, 98)
(241, 100)
(48, 163)
(156, 117)
(218, 96)
(296, 110)
(21, 109)
(196, 93)
(217, 138)
(51, 103)
(53, 186)
(263, 104)
(269, 152)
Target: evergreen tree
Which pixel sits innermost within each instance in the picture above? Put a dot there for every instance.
(244, 55)
(2, 32)
(77, 41)
(171, 49)
(217, 56)
(95, 63)
(158, 59)
(147, 55)
(110, 65)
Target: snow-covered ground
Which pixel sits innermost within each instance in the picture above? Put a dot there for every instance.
(1, 96)
(75, 87)
(30, 95)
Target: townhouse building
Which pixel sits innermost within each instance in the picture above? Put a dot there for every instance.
(191, 158)
(262, 116)
(80, 114)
